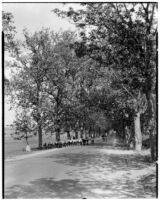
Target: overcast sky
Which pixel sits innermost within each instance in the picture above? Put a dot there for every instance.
(34, 16)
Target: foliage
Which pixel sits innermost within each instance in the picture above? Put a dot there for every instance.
(122, 38)
(24, 126)
(118, 38)
(9, 31)
(29, 82)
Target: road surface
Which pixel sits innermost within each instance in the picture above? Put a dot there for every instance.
(80, 172)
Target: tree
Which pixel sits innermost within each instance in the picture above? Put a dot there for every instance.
(24, 126)
(28, 83)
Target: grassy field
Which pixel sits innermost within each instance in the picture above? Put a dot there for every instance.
(15, 147)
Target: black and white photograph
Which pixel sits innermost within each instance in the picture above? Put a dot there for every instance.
(80, 100)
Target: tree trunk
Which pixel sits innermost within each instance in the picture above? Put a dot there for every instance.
(153, 147)
(26, 137)
(39, 117)
(123, 132)
(138, 134)
(40, 136)
(129, 136)
(94, 133)
(99, 132)
(68, 135)
(76, 134)
(81, 133)
(58, 135)
(153, 130)
(27, 140)
(90, 132)
(152, 108)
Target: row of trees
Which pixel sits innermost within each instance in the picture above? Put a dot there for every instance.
(122, 37)
(104, 79)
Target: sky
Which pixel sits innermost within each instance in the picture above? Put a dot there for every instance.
(34, 16)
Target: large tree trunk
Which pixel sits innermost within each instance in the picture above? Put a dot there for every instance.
(138, 133)
(152, 125)
(153, 146)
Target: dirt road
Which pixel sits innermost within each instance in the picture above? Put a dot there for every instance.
(81, 172)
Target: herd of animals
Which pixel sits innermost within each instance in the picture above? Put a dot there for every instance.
(71, 142)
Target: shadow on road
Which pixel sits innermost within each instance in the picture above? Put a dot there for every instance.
(66, 189)
(46, 188)
(104, 161)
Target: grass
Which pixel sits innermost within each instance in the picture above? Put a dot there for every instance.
(13, 147)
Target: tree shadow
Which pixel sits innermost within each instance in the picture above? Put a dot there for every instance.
(73, 189)
(150, 183)
(110, 162)
(46, 188)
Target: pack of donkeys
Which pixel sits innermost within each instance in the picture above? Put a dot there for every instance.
(71, 142)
